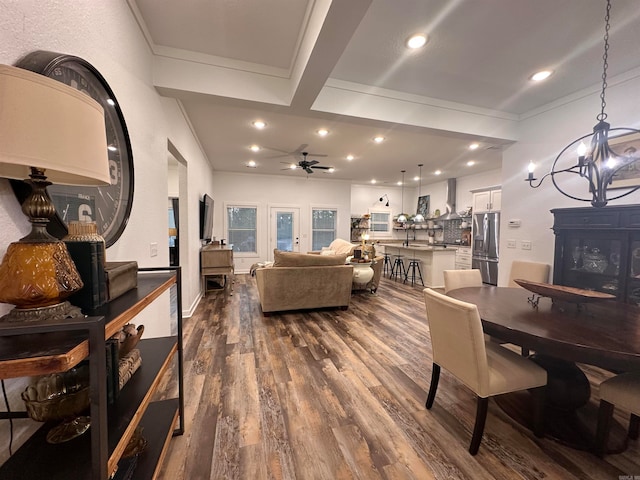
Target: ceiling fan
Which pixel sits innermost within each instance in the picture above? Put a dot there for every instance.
(307, 165)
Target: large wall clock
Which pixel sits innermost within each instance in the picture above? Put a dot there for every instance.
(108, 206)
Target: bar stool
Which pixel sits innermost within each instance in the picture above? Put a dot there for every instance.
(411, 271)
(398, 269)
(387, 266)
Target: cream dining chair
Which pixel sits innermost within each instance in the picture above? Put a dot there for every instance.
(484, 367)
(620, 391)
(454, 279)
(532, 271)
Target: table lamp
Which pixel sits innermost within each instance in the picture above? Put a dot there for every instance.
(50, 132)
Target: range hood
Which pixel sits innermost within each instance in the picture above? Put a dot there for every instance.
(450, 213)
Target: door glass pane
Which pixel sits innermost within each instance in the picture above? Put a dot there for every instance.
(284, 231)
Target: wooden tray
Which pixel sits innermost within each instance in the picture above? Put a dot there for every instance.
(561, 292)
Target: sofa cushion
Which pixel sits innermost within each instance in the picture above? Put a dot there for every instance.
(293, 259)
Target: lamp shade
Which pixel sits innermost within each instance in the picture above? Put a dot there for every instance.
(49, 125)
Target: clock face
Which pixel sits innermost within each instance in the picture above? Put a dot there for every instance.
(109, 206)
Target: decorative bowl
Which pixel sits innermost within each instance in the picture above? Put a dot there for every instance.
(563, 293)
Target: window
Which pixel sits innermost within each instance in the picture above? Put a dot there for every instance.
(380, 223)
(241, 228)
(323, 227)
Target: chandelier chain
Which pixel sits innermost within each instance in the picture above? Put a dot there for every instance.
(605, 56)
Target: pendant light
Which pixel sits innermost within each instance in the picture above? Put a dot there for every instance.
(600, 164)
(402, 218)
(419, 218)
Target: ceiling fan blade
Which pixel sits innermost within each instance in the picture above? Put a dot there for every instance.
(312, 162)
(300, 149)
(308, 170)
(317, 155)
(322, 167)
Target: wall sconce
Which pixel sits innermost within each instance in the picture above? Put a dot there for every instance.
(52, 133)
(382, 199)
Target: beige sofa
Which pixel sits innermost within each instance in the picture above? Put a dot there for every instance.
(298, 281)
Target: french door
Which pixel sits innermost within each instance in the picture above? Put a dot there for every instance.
(284, 229)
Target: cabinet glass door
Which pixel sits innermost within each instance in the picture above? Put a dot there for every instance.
(633, 282)
(592, 262)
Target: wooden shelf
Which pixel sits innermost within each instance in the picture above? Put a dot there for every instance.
(73, 459)
(41, 354)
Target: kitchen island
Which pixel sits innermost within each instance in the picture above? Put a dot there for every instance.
(434, 259)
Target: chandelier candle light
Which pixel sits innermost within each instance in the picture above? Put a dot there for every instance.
(600, 164)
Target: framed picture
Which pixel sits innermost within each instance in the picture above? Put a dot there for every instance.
(627, 146)
(423, 206)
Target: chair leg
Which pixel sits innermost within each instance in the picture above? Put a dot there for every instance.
(435, 376)
(478, 429)
(634, 426)
(539, 397)
(605, 414)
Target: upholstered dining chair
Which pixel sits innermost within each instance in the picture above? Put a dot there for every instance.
(484, 367)
(620, 391)
(532, 271)
(454, 279)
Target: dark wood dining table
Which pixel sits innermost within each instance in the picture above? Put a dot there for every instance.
(563, 335)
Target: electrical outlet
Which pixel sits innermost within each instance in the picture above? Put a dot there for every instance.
(511, 243)
(525, 244)
(153, 249)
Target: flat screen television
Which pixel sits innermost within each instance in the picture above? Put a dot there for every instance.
(206, 218)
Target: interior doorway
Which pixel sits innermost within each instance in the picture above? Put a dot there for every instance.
(284, 229)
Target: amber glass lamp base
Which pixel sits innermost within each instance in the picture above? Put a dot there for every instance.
(36, 277)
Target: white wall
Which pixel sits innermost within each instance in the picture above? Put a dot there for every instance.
(543, 136)
(269, 190)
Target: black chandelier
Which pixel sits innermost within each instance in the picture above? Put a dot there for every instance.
(600, 165)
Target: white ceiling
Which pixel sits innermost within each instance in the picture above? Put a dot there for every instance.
(301, 65)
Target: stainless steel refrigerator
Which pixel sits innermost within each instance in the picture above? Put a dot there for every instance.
(486, 231)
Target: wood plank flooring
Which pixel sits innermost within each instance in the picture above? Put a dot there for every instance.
(339, 394)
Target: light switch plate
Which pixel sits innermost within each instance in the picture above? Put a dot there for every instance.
(511, 243)
(153, 249)
(525, 244)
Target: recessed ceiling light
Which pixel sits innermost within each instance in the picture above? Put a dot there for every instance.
(251, 164)
(416, 41)
(323, 132)
(378, 139)
(437, 172)
(399, 184)
(255, 148)
(541, 75)
(471, 163)
(416, 178)
(259, 124)
(474, 146)
(373, 181)
(350, 157)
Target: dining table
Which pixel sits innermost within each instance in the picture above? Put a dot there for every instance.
(562, 336)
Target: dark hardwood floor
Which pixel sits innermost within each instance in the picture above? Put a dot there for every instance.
(339, 394)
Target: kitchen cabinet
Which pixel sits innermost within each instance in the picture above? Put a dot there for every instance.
(39, 348)
(463, 258)
(599, 249)
(487, 200)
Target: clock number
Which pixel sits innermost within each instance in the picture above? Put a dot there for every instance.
(84, 213)
(113, 172)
